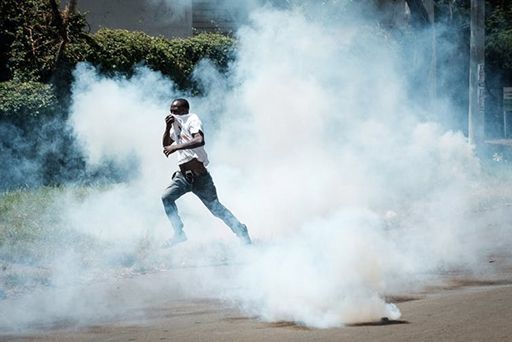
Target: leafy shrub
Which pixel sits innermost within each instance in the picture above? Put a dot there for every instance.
(499, 37)
(119, 51)
(21, 102)
(34, 37)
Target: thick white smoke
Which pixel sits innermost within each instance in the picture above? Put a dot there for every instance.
(327, 145)
(314, 144)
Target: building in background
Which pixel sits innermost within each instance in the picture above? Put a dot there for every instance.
(176, 18)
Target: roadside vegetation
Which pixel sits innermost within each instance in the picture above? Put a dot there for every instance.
(31, 229)
(40, 45)
(35, 239)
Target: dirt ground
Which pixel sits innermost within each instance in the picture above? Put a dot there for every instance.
(459, 308)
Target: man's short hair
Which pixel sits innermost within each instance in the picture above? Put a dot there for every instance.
(183, 102)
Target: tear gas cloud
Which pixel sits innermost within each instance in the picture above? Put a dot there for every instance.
(315, 143)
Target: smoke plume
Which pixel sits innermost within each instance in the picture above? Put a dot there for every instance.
(349, 189)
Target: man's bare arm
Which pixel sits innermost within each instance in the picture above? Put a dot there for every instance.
(167, 140)
(197, 141)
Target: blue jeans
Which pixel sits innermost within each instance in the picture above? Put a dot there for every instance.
(204, 188)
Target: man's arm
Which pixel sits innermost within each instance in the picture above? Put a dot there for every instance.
(166, 139)
(197, 141)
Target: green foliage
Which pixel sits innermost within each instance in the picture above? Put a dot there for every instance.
(38, 51)
(499, 37)
(24, 225)
(34, 37)
(39, 43)
(22, 101)
(499, 51)
(31, 226)
(119, 51)
(21, 214)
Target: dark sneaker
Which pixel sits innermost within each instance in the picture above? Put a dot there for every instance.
(176, 239)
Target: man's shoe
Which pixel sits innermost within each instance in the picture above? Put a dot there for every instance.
(243, 235)
(176, 239)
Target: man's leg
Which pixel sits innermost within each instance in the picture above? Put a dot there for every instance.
(178, 187)
(205, 189)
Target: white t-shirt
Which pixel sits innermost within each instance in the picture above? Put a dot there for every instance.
(182, 130)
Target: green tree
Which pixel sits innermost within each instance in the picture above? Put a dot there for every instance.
(499, 35)
(34, 35)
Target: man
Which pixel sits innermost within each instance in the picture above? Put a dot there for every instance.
(184, 134)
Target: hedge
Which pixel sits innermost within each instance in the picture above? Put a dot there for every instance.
(29, 105)
(32, 38)
(114, 52)
(24, 101)
(119, 51)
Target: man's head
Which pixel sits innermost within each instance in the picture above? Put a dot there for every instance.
(180, 107)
